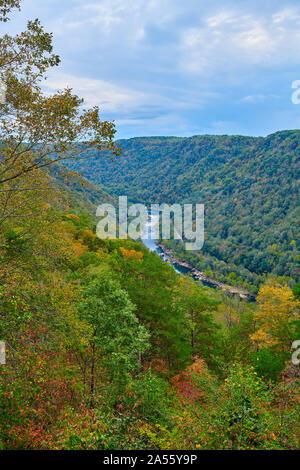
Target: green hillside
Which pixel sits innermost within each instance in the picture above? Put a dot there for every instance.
(79, 193)
(103, 345)
(248, 186)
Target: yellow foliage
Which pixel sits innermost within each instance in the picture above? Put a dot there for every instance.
(276, 308)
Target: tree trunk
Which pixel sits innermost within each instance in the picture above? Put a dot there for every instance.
(192, 331)
(92, 385)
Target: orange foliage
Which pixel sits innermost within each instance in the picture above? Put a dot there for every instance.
(73, 216)
(88, 234)
(79, 248)
(131, 254)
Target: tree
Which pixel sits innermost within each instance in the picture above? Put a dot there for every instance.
(195, 303)
(116, 335)
(151, 285)
(5, 8)
(275, 317)
(37, 130)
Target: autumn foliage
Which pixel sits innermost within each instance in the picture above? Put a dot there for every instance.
(106, 346)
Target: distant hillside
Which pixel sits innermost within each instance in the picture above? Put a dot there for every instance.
(80, 193)
(249, 186)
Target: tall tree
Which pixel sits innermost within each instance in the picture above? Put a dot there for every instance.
(196, 304)
(116, 335)
(151, 285)
(275, 317)
(37, 129)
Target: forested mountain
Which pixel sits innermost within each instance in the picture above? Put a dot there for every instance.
(248, 185)
(103, 346)
(78, 192)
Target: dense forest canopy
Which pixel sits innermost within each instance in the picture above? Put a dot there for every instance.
(249, 186)
(106, 347)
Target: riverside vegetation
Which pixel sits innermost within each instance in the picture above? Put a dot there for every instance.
(107, 347)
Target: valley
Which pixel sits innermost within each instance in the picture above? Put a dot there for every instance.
(248, 185)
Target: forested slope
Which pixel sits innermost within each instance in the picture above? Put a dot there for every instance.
(249, 187)
(103, 346)
(108, 348)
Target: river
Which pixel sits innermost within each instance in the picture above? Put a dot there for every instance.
(149, 228)
(149, 238)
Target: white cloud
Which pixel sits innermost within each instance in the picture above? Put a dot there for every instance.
(218, 39)
(234, 40)
(175, 66)
(285, 16)
(253, 98)
(106, 95)
(115, 18)
(113, 98)
(160, 125)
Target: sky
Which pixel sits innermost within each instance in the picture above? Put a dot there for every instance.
(176, 67)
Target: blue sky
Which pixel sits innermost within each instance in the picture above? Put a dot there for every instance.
(175, 67)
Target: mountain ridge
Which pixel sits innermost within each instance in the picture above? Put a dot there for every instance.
(248, 185)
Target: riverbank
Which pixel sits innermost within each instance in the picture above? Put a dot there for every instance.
(199, 276)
